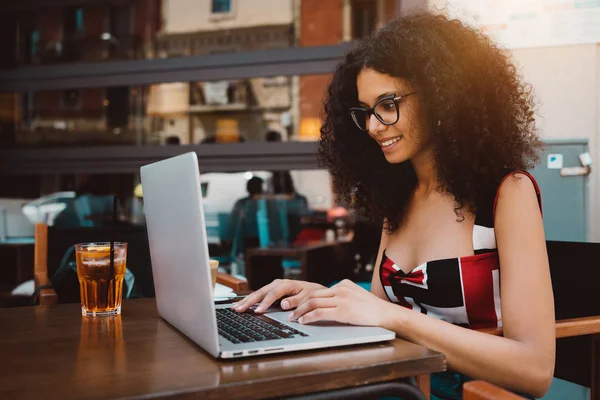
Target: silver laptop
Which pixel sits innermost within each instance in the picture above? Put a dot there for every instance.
(179, 254)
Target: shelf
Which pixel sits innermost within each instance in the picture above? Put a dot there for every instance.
(251, 64)
(249, 156)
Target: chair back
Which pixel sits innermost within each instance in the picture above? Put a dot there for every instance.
(138, 252)
(87, 204)
(289, 217)
(281, 217)
(574, 267)
(575, 270)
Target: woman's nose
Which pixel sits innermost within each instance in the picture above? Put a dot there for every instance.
(374, 126)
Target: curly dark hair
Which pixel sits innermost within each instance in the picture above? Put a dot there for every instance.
(485, 113)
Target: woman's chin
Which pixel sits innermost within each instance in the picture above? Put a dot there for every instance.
(395, 158)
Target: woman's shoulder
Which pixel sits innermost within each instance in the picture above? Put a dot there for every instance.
(517, 188)
(518, 180)
(510, 183)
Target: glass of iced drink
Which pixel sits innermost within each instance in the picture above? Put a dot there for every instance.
(100, 285)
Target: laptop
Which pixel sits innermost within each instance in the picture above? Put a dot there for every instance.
(180, 266)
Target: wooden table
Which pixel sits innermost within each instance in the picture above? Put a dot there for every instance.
(55, 353)
(320, 262)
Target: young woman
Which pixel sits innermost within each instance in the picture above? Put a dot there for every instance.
(429, 130)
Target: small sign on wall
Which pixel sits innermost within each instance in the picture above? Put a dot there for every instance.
(555, 161)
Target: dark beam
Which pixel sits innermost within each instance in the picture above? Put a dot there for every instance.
(22, 6)
(292, 61)
(128, 159)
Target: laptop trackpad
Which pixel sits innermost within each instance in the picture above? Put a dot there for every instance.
(319, 327)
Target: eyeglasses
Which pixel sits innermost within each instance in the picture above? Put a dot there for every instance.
(385, 110)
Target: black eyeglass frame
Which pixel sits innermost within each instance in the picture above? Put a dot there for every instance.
(369, 111)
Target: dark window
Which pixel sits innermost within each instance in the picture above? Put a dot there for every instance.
(73, 22)
(121, 43)
(11, 47)
(117, 109)
(221, 6)
(120, 21)
(33, 40)
(28, 100)
(79, 20)
(20, 186)
(363, 17)
(71, 99)
(67, 182)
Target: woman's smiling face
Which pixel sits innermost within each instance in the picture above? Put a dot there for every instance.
(406, 138)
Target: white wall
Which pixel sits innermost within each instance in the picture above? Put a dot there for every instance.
(316, 186)
(408, 6)
(566, 80)
(181, 16)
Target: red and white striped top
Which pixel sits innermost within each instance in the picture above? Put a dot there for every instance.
(463, 291)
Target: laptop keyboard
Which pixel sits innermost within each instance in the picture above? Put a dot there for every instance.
(249, 327)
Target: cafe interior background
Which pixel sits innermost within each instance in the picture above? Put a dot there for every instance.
(90, 90)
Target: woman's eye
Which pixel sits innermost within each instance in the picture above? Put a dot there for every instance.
(387, 105)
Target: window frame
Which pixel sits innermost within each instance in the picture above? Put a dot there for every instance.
(126, 159)
(219, 16)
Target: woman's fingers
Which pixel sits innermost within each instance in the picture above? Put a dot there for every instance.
(271, 297)
(266, 295)
(327, 292)
(320, 314)
(311, 305)
(292, 302)
(253, 298)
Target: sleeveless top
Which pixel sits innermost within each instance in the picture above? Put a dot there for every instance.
(464, 291)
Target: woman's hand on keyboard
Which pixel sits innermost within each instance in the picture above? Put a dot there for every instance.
(347, 303)
(293, 293)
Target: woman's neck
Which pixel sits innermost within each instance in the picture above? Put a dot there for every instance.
(427, 178)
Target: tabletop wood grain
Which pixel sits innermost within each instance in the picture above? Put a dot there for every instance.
(54, 352)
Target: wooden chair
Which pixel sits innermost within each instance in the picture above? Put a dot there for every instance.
(481, 390)
(575, 277)
(240, 286)
(403, 390)
(46, 294)
(567, 328)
